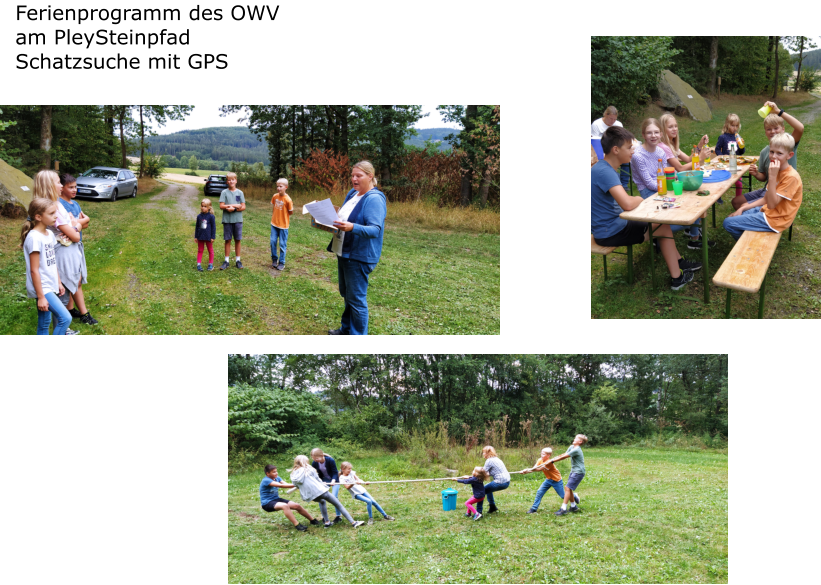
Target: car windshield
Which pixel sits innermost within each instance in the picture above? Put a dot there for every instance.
(100, 174)
(216, 178)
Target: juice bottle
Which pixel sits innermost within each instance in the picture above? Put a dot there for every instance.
(707, 152)
(660, 180)
(696, 164)
(740, 141)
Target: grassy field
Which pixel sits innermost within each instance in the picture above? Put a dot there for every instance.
(794, 281)
(648, 516)
(200, 173)
(141, 259)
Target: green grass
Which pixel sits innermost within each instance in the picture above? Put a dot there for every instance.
(793, 282)
(141, 258)
(648, 516)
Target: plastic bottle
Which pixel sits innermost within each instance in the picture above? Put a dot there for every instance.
(660, 180)
(696, 164)
(707, 152)
(733, 159)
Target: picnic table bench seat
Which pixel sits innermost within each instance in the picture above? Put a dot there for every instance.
(603, 251)
(745, 267)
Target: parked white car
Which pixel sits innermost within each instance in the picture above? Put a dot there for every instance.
(106, 183)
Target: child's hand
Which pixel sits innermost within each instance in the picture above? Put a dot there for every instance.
(736, 213)
(62, 290)
(754, 168)
(773, 106)
(42, 304)
(775, 168)
(704, 140)
(212, 241)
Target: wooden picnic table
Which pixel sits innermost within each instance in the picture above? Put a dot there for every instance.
(693, 206)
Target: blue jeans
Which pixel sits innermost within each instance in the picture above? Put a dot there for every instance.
(546, 485)
(489, 489)
(60, 312)
(353, 286)
(335, 492)
(751, 220)
(694, 231)
(281, 235)
(368, 499)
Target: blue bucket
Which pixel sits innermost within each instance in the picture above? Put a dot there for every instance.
(449, 499)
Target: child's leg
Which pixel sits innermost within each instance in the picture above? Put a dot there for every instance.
(323, 509)
(335, 492)
(559, 487)
(237, 246)
(274, 234)
(668, 249)
(469, 506)
(367, 501)
(300, 510)
(287, 511)
(329, 497)
(375, 503)
(283, 245)
(750, 220)
(200, 246)
(738, 186)
(227, 246)
(210, 251)
(43, 321)
(55, 305)
(79, 300)
(540, 494)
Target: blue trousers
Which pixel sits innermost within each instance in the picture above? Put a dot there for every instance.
(353, 286)
(281, 235)
(489, 489)
(60, 312)
(546, 485)
(750, 220)
(368, 499)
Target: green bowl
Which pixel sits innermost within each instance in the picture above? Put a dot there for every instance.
(692, 179)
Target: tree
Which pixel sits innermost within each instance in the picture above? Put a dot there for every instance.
(775, 79)
(799, 44)
(193, 164)
(45, 135)
(713, 63)
(161, 115)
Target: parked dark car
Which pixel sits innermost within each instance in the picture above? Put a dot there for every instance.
(215, 184)
(106, 183)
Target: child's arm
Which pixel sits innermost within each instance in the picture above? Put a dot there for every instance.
(281, 484)
(625, 201)
(34, 262)
(798, 127)
(84, 220)
(757, 203)
(70, 232)
(771, 195)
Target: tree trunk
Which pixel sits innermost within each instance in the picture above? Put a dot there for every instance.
(387, 119)
(483, 190)
(45, 135)
(769, 58)
(108, 112)
(342, 114)
(304, 140)
(800, 58)
(467, 145)
(293, 137)
(713, 63)
(121, 118)
(142, 143)
(775, 81)
(329, 137)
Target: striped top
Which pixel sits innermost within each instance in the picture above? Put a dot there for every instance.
(645, 167)
(497, 469)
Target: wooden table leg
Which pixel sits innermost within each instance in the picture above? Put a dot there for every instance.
(706, 262)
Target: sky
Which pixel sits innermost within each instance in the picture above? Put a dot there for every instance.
(208, 116)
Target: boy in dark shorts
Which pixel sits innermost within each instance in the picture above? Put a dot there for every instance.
(232, 203)
(270, 500)
(576, 474)
(609, 199)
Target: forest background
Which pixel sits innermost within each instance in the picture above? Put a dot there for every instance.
(291, 403)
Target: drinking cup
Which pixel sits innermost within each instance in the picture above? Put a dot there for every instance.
(678, 187)
(764, 111)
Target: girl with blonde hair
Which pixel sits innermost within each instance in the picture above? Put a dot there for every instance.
(353, 484)
(501, 478)
(304, 477)
(42, 277)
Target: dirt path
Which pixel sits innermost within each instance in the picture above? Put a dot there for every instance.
(186, 197)
(184, 178)
(811, 112)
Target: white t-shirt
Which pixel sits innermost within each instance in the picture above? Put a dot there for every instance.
(44, 244)
(351, 479)
(598, 127)
(64, 217)
(344, 214)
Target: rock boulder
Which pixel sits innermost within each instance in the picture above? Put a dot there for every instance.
(680, 97)
(15, 189)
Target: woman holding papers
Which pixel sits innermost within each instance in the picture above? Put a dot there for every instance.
(358, 246)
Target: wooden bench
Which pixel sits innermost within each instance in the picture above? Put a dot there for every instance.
(605, 250)
(745, 268)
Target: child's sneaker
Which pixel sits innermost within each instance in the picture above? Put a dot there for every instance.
(688, 266)
(338, 519)
(561, 512)
(328, 524)
(370, 521)
(315, 522)
(686, 232)
(224, 265)
(574, 509)
(301, 527)
(492, 509)
(468, 515)
(70, 332)
(210, 267)
(697, 244)
(199, 267)
(577, 499)
(357, 524)
(239, 264)
(686, 276)
(477, 516)
(532, 511)
(281, 266)
(386, 517)
(87, 319)
(75, 314)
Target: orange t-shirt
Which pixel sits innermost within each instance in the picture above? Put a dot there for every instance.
(282, 205)
(550, 472)
(790, 190)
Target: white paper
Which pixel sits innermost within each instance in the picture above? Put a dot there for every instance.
(24, 188)
(322, 211)
(689, 96)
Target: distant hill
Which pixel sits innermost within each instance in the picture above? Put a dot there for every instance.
(228, 143)
(812, 60)
(433, 134)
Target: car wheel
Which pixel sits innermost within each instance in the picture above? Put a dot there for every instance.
(134, 193)
(114, 195)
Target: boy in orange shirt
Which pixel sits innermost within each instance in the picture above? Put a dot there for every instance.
(553, 478)
(776, 211)
(280, 220)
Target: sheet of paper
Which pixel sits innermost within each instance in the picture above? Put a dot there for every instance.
(322, 211)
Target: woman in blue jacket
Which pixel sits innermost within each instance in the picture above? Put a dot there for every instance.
(358, 246)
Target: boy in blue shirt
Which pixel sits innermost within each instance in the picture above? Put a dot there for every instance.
(609, 199)
(270, 501)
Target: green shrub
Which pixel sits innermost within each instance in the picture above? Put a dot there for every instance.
(153, 165)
